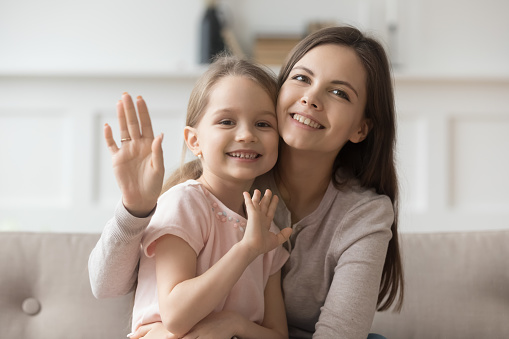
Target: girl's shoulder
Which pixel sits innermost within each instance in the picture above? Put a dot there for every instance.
(190, 191)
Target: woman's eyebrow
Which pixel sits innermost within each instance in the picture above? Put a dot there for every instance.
(337, 82)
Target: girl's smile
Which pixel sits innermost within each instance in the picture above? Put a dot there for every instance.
(237, 135)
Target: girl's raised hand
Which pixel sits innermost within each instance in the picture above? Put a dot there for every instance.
(138, 163)
(260, 212)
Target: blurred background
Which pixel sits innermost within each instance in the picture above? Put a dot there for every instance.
(64, 64)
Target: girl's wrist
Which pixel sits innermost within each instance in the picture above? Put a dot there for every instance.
(246, 251)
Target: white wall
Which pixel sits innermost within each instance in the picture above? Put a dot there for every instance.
(454, 36)
(64, 64)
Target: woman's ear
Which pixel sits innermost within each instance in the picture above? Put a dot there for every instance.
(362, 132)
(191, 138)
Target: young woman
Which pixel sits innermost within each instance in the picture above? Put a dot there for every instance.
(337, 180)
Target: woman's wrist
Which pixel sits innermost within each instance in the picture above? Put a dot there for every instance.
(139, 211)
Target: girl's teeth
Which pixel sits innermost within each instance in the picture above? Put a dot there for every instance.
(243, 155)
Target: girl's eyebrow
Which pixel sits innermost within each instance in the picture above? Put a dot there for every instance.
(337, 82)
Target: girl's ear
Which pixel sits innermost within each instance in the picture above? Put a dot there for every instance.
(191, 138)
(362, 132)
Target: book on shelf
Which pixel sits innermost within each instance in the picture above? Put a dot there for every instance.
(273, 49)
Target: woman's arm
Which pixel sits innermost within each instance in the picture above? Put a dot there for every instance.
(350, 304)
(139, 171)
(113, 263)
(184, 298)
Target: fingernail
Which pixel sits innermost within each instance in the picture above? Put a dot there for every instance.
(139, 97)
(130, 334)
(125, 93)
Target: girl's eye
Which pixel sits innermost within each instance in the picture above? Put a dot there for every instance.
(341, 94)
(226, 122)
(263, 124)
(300, 77)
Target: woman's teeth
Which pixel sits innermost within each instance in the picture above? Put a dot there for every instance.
(306, 121)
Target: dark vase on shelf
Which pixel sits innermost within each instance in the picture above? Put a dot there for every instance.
(211, 42)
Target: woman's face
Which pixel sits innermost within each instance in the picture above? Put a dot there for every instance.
(321, 104)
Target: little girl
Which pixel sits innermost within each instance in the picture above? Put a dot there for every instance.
(200, 254)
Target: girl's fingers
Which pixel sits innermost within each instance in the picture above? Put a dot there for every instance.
(110, 142)
(145, 122)
(271, 211)
(130, 116)
(284, 235)
(256, 197)
(247, 201)
(265, 202)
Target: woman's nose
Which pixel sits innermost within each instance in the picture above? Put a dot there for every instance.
(306, 101)
(310, 100)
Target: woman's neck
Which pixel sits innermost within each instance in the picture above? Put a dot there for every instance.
(229, 192)
(302, 178)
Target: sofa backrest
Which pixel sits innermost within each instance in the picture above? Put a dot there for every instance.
(45, 290)
(457, 286)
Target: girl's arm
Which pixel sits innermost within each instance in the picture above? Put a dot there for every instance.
(274, 320)
(184, 298)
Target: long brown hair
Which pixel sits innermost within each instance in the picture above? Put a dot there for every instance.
(223, 66)
(372, 160)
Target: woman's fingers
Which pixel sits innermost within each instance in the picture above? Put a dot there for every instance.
(131, 117)
(122, 122)
(157, 152)
(110, 142)
(145, 122)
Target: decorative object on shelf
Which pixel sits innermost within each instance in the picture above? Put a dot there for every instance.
(314, 26)
(273, 49)
(211, 37)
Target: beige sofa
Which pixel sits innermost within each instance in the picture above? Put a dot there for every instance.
(457, 287)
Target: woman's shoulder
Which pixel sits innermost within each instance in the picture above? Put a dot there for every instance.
(351, 195)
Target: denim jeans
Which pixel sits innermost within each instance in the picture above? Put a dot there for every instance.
(376, 336)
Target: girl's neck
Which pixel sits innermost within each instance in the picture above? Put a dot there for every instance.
(302, 178)
(229, 192)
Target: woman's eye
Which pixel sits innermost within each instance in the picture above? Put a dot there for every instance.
(341, 94)
(300, 77)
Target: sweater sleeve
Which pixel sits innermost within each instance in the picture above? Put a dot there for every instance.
(113, 263)
(362, 239)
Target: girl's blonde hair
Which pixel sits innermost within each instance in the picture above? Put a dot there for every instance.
(223, 66)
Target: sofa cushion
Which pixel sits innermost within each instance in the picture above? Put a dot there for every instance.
(45, 290)
(457, 286)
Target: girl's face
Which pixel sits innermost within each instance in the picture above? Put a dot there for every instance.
(237, 135)
(321, 104)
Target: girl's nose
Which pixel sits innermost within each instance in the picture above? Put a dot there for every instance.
(246, 134)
